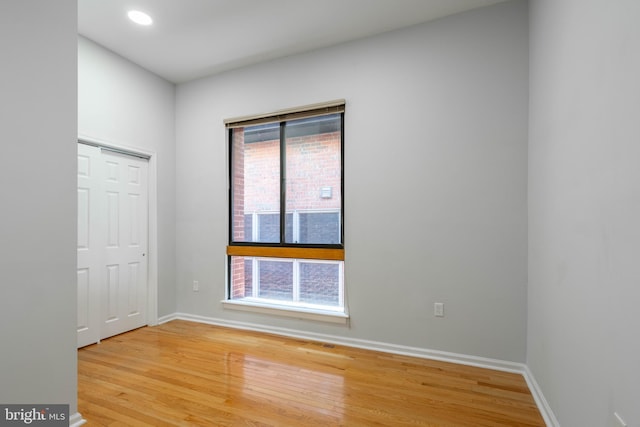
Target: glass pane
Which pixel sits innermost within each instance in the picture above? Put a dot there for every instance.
(320, 283)
(248, 225)
(296, 282)
(288, 228)
(240, 272)
(319, 227)
(276, 280)
(248, 277)
(313, 177)
(269, 228)
(256, 181)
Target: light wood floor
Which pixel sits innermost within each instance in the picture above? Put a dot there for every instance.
(184, 373)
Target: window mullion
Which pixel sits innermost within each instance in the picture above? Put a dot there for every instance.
(255, 278)
(296, 226)
(283, 184)
(296, 280)
(255, 231)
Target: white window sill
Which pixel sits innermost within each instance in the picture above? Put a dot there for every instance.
(287, 310)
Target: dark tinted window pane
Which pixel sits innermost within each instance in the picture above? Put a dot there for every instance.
(248, 227)
(269, 228)
(288, 230)
(320, 227)
(255, 179)
(313, 169)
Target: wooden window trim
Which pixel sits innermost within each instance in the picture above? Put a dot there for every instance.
(330, 254)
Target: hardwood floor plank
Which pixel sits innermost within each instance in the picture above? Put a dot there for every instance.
(190, 374)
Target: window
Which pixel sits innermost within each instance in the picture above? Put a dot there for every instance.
(286, 246)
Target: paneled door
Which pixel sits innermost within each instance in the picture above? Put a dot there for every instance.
(112, 243)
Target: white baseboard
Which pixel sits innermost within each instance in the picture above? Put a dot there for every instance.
(167, 318)
(463, 359)
(444, 356)
(543, 406)
(76, 420)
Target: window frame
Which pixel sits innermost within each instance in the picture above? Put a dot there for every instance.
(315, 110)
(295, 252)
(282, 242)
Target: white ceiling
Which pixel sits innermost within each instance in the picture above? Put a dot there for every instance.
(195, 38)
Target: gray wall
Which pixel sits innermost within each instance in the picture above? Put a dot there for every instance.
(121, 103)
(584, 209)
(38, 215)
(435, 179)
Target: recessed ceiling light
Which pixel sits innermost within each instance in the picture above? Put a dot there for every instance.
(140, 18)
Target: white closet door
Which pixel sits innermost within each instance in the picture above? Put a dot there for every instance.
(90, 244)
(124, 294)
(112, 259)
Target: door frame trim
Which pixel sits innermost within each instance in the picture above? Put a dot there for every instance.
(152, 236)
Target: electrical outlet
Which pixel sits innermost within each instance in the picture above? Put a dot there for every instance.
(438, 309)
(196, 286)
(619, 421)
